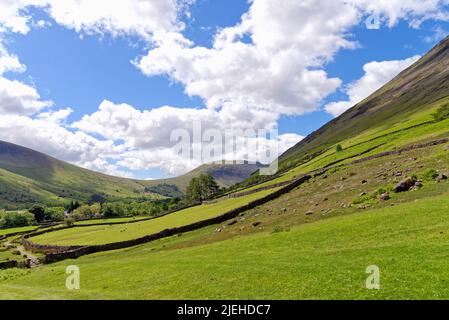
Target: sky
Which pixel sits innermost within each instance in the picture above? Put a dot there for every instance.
(104, 85)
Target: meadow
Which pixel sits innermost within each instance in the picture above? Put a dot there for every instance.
(115, 233)
(323, 260)
(19, 229)
(110, 220)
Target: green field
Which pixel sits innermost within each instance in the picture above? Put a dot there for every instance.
(19, 229)
(116, 233)
(324, 260)
(110, 220)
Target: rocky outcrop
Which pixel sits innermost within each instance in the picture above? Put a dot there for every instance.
(405, 185)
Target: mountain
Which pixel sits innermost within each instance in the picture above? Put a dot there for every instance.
(413, 91)
(28, 176)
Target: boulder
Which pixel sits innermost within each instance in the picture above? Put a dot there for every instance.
(405, 185)
(441, 177)
(255, 224)
(309, 213)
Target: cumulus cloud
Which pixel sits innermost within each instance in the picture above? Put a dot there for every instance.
(51, 138)
(390, 12)
(438, 34)
(19, 98)
(9, 63)
(55, 116)
(376, 75)
(132, 17)
(276, 72)
(15, 96)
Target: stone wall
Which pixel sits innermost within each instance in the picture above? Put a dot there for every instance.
(14, 264)
(8, 264)
(399, 151)
(58, 253)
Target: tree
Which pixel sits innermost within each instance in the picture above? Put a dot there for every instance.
(54, 214)
(73, 206)
(38, 211)
(442, 113)
(202, 188)
(208, 185)
(194, 190)
(83, 212)
(339, 148)
(96, 198)
(15, 219)
(96, 210)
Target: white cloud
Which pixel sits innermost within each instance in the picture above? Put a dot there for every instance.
(9, 63)
(438, 34)
(58, 116)
(277, 72)
(19, 98)
(15, 96)
(131, 17)
(53, 139)
(415, 12)
(376, 75)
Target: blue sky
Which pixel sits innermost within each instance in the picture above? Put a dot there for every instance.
(79, 70)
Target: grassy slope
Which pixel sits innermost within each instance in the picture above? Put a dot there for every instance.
(14, 230)
(27, 176)
(414, 128)
(109, 220)
(326, 259)
(411, 92)
(116, 233)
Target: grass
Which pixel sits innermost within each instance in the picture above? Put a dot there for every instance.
(19, 229)
(323, 260)
(6, 255)
(113, 220)
(115, 233)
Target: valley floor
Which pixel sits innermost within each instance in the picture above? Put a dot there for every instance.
(322, 260)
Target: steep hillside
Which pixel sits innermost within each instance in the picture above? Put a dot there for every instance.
(414, 90)
(27, 176)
